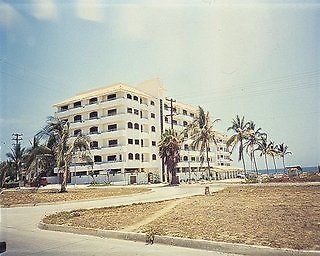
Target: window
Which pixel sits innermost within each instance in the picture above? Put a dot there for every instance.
(130, 156)
(141, 128)
(112, 112)
(153, 143)
(113, 143)
(94, 145)
(166, 119)
(93, 130)
(112, 96)
(135, 98)
(153, 115)
(154, 157)
(129, 110)
(186, 147)
(112, 158)
(166, 107)
(129, 96)
(136, 142)
(112, 127)
(140, 101)
(193, 159)
(137, 156)
(152, 103)
(136, 126)
(64, 108)
(174, 121)
(136, 112)
(77, 104)
(77, 118)
(153, 129)
(185, 158)
(191, 114)
(93, 115)
(130, 141)
(93, 100)
(77, 132)
(97, 159)
(141, 143)
(185, 112)
(130, 125)
(185, 123)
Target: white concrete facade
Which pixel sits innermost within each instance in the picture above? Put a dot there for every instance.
(125, 125)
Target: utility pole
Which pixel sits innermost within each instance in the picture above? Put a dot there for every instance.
(171, 110)
(17, 137)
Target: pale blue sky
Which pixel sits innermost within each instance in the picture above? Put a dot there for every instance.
(256, 59)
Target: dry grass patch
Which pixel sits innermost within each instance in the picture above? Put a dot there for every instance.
(109, 218)
(286, 216)
(52, 195)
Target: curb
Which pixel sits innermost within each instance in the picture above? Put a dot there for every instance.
(182, 242)
(70, 201)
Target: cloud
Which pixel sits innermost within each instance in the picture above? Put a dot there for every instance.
(90, 10)
(44, 10)
(9, 16)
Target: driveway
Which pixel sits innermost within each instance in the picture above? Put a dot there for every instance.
(19, 228)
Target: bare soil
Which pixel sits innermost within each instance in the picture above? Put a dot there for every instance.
(29, 196)
(109, 218)
(277, 216)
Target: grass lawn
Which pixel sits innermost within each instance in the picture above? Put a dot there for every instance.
(28, 196)
(276, 216)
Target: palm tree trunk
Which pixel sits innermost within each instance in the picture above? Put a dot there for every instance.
(241, 154)
(265, 159)
(255, 162)
(64, 181)
(208, 161)
(274, 163)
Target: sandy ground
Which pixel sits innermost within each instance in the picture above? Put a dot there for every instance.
(28, 196)
(276, 216)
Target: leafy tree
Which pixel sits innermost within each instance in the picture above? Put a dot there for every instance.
(203, 134)
(17, 156)
(283, 151)
(169, 150)
(272, 151)
(240, 129)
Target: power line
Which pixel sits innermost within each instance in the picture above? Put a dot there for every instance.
(17, 137)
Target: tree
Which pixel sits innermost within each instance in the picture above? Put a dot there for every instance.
(6, 172)
(254, 136)
(240, 129)
(58, 133)
(272, 151)
(203, 134)
(283, 151)
(169, 150)
(264, 148)
(17, 156)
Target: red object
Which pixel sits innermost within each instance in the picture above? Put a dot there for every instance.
(43, 182)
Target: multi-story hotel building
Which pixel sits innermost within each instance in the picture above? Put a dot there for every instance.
(125, 124)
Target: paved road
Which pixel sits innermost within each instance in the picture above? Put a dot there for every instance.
(19, 229)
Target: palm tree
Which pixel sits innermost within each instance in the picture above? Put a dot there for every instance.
(273, 152)
(203, 134)
(169, 150)
(64, 148)
(17, 156)
(263, 147)
(253, 137)
(283, 151)
(239, 127)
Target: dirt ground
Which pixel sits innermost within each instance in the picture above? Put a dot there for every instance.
(29, 196)
(109, 218)
(276, 216)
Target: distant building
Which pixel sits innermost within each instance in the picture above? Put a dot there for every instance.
(125, 125)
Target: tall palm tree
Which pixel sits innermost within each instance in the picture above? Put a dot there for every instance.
(169, 150)
(253, 137)
(273, 152)
(203, 134)
(240, 128)
(64, 148)
(283, 151)
(263, 147)
(17, 156)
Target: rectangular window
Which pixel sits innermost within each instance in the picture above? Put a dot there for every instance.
(136, 112)
(136, 142)
(130, 141)
(93, 100)
(77, 104)
(152, 103)
(112, 112)
(129, 110)
(112, 158)
(113, 143)
(64, 108)
(153, 143)
(185, 112)
(112, 127)
(112, 96)
(153, 115)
